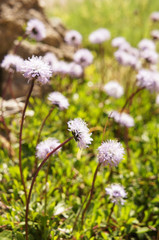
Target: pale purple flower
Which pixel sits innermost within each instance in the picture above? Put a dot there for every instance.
(59, 100)
(150, 56)
(125, 58)
(157, 99)
(12, 62)
(75, 70)
(155, 16)
(50, 59)
(155, 34)
(124, 119)
(118, 42)
(83, 57)
(47, 146)
(146, 44)
(36, 29)
(36, 68)
(61, 67)
(99, 36)
(114, 89)
(148, 79)
(80, 131)
(110, 153)
(125, 46)
(116, 193)
(73, 38)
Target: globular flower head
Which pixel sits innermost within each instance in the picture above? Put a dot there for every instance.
(124, 119)
(110, 153)
(99, 36)
(114, 89)
(155, 34)
(61, 67)
(12, 62)
(148, 79)
(83, 57)
(150, 56)
(125, 58)
(155, 16)
(59, 100)
(75, 70)
(146, 44)
(80, 132)
(118, 42)
(36, 29)
(116, 193)
(50, 59)
(47, 146)
(73, 38)
(36, 68)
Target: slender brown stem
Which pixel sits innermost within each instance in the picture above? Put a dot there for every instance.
(129, 99)
(91, 193)
(102, 64)
(33, 181)
(112, 209)
(46, 179)
(20, 137)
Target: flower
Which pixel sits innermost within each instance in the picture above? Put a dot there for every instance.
(58, 99)
(99, 36)
(110, 153)
(50, 59)
(124, 119)
(75, 70)
(80, 131)
(73, 37)
(36, 29)
(155, 34)
(148, 79)
(12, 62)
(83, 57)
(150, 56)
(126, 59)
(116, 193)
(47, 146)
(157, 99)
(155, 16)
(146, 44)
(61, 67)
(36, 68)
(118, 42)
(114, 89)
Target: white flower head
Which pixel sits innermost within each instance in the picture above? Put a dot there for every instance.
(50, 59)
(146, 44)
(124, 119)
(47, 146)
(36, 68)
(157, 99)
(150, 56)
(116, 193)
(114, 89)
(155, 34)
(80, 132)
(155, 16)
(75, 70)
(73, 38)
(125, 58)
(36, 29)
(118, 42)
(148, 79)
(12, 62)
(59, 100)
(110, 153)
(99, 36)
(83, 57)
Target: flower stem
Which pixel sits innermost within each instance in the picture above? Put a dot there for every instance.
(33, 181)
(112, 209)
(91, 193)
(46, 180)
(129, 99)
(20, 137)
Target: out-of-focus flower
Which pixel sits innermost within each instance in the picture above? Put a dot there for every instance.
(59, 100)
(36, 68)
(148, 79)
(126, 59)
(157, 99)
(75, 70)
(83, 57)
(155, 16)
(61, 67)
(50, 59)
(36, 29)
(123, 119)
(155, 34)
(47, 146)
(114, 89)
(116, 193)
(73, 38)
(118, 41)
(12, 62)
(146, 44)
(99, 36)
(150, 56)
(125, 47)
(80, 132)
(110, 153)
